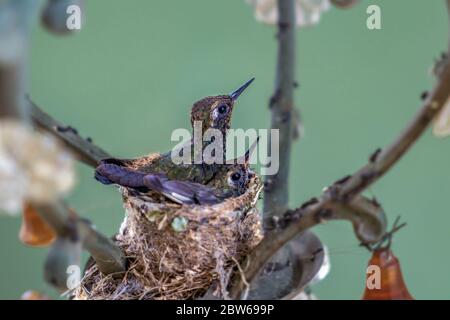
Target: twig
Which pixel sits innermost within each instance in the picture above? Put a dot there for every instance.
(346, 193)
(83, 149)
(281, 105)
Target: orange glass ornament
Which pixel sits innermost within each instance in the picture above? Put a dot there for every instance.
(35, 231)
(391, 283)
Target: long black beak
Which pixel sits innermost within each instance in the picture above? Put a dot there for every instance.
(238, 92)
(250, 150)
(244, 159)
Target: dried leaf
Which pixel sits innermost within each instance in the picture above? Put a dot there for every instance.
(386, 266)
(35, 231)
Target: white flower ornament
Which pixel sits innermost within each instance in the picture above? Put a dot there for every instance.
(33, 167)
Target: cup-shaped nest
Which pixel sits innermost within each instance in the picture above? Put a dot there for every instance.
(179, 251)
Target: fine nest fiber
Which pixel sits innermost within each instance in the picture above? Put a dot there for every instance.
(179, 251)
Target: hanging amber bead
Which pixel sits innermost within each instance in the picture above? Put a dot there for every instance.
(390, 284)
(35, 231)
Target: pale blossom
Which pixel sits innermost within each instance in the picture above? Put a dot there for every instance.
(308, 12)
(33, 167)
(441, 127)
(11, 195)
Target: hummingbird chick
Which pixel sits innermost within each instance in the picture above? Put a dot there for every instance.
(213, 112)
(230, 180)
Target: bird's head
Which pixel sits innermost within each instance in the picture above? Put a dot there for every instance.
(216, 111)
(236, 175)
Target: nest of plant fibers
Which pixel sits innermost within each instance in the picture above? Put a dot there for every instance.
(179, 251)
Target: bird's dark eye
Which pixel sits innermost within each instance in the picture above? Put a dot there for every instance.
(222, 109)
(236, 176)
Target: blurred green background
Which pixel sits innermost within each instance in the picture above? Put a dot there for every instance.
(129, 77)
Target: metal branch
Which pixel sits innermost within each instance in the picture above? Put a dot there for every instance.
(67, 224)
(83, 149)
(281, 104)
(344, 195)
(11, 85)
(283, 118)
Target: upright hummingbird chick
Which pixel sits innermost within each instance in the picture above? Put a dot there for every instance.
(230, 180)
(213, 113)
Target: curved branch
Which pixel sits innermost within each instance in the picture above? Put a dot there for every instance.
(109, 258)
(67, 224)
(83, 149)
(344, 193)
(366, 216)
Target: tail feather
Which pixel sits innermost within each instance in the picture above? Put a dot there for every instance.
(108, 173)
(183, 192)
(102, 179)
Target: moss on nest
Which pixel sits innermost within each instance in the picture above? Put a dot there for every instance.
(179, 252)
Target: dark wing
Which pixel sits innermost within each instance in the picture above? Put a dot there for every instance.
(108, 173)
(210, 197)
(101, 178)
(183, 192)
